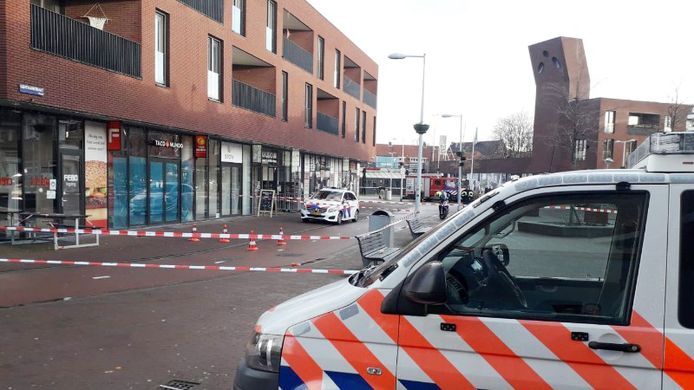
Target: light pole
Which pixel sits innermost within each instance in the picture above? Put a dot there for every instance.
(421, 128)
(460, 147)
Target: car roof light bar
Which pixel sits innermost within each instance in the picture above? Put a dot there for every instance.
(665, 152)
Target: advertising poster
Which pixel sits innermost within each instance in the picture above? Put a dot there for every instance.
(95, 184)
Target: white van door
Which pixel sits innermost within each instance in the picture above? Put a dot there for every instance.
(543, 294)
(679, 312)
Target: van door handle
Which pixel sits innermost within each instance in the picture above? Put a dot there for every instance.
(631, 348)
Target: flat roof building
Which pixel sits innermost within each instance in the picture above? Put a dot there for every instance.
(158, 111)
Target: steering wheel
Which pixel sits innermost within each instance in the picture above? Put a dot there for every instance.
(496, 269)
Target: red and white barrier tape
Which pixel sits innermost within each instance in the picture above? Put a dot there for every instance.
(331, 271)
(606, 211)
(146, 233)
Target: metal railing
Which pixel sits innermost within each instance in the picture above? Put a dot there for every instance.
(251, 98)
(352, 87)
(327, 123)
(57, 34)
(298, 56)
(213, 9)
(369, 98)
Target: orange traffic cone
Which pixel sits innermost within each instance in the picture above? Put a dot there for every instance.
(281, 241)
(224, 240)
(252, 247)
(194, 238)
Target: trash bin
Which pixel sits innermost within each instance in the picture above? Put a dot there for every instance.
(379, 219)
(389, 194)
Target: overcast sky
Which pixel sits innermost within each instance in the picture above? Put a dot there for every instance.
(478, 62)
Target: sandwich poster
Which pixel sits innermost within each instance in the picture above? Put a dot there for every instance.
(95, 168)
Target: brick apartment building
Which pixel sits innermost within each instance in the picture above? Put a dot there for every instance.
(176, 110)
(573, 130)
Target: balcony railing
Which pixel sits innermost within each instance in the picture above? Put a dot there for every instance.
(642, 129)
(57, 34)
(352, 87)
(327, 123)
(369, 98)
(298, 56)
(254, 99)
(213, 9)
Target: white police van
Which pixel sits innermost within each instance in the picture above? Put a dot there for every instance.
(572, 280)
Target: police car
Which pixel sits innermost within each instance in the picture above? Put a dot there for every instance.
(332, 205)
(569, 280)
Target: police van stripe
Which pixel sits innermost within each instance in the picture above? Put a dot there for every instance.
(536, 354)
(431, 360)
(489, 346)
(354, 350)
(301, 363)
(577, 355)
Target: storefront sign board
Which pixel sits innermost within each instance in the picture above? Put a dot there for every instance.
(31, 90)
(232, 153)
(114, 136)
(200, 146)
(95, 168)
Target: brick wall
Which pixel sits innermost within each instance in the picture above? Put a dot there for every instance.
(329, 107)
(124, 15)
(3, 47)
(262, 78)
(184, 105)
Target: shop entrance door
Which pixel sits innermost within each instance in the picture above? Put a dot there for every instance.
(163, 191)
(70, 199)
(231, 189)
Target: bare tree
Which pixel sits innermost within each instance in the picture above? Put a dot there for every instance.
(677, 112)
(516, 133)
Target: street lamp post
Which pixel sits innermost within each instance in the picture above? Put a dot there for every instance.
(421, 128)
(460, 162)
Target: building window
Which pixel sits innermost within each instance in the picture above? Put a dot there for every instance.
(285, 96)
(363, 127)
(161, 49)
(214, 69)
(271, 27)
(356, 125)
(608, 149)
(308, 107)
(321, 58)
(344, 119)
(609, 122)
(580, 150)
(238, 17)
(338, 69)
(374, 133)
(667, 124)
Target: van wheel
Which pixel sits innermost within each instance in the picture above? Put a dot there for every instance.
(356, 216)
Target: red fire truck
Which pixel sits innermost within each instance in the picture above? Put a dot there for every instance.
(433, 183)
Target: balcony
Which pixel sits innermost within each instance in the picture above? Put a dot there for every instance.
(213, 9)
(643, 124)
(352, 87)
(298, 56)
(254, 99)
(369, 98)
(65, 37)
(327, 123)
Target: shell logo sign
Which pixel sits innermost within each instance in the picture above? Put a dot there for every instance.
(200, 146)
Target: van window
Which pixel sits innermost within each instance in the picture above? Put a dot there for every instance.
(560, 258)
(686, 292)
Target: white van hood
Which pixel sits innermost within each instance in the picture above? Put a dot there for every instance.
(309, 305)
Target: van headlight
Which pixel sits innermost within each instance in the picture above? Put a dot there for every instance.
(263, 352)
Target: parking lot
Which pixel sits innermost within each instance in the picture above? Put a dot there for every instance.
(92, 327)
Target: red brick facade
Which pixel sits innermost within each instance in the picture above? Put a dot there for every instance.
(184, 105)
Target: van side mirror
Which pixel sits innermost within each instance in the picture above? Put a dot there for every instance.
(427, 285)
